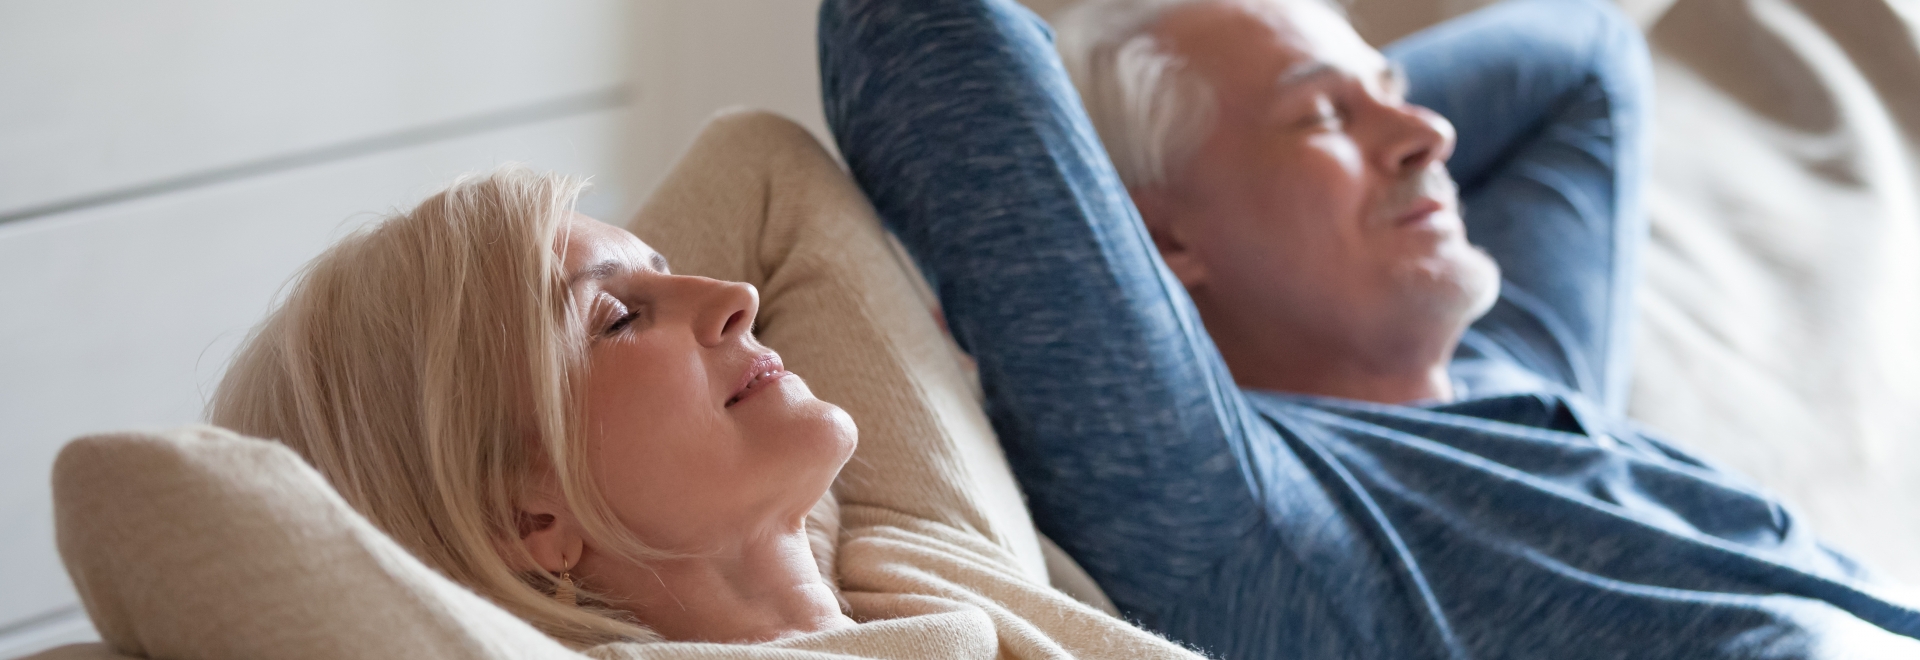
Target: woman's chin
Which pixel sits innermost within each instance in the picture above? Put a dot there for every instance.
(797, 420)
(833, 430)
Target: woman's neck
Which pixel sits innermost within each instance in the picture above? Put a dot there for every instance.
(763, 589)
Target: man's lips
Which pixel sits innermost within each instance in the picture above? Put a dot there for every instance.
(760, 373)
(1420, 210)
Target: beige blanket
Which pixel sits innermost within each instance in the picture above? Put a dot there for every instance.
(198, 544)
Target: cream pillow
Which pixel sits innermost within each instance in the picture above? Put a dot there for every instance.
(198, 543)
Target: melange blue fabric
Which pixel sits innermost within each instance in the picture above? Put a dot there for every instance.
(1527, 519)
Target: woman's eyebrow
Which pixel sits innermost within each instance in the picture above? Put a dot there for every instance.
(603, 269)
(598, 271)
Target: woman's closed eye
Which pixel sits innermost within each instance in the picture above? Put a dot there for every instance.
(622, 317)
(622, 322)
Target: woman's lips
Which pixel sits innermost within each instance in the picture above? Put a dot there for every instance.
(760, 373)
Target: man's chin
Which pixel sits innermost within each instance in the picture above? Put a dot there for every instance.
(1459, 282)
(1482, 286)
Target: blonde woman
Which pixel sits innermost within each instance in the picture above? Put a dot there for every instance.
(606, 437)
(572, 423)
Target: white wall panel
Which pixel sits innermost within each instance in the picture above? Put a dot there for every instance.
(58, 628)
(123, 316)
(99, 95)
(690, 59)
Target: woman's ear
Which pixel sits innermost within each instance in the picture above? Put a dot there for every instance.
(550, 533)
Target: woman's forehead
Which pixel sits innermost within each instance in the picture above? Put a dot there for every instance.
(592, 250)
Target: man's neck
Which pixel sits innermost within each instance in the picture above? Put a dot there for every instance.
(1408, 368)
(764, 589)
(1351, 379)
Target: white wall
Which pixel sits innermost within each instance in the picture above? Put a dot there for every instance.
(692, 58)
(164, 167)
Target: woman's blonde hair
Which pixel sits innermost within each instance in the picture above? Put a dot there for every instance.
(427, 367)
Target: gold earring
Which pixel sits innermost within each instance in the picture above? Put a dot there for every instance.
(564, 593)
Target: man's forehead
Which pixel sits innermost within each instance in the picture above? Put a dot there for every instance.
(1269, 40)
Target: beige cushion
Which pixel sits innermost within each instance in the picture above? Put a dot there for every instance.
(1066, 575)
(198, 543)
(92, 651)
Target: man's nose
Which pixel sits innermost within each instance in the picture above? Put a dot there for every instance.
(725, 310)
(1422, 138)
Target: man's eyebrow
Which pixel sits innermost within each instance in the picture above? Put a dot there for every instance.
(659, 263)
(1394, 79)
(1304, 72)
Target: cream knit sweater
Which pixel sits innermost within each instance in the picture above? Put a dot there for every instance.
(200, 544)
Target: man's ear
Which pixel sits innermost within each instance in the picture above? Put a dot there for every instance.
(550, 532)
(1166, 224)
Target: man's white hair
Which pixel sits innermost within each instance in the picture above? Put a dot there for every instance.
(1151, 111)
(1149, 108)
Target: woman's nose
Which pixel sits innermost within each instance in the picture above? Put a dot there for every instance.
(727, 310)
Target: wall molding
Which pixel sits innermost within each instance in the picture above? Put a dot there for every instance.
(544, 110)
(60, 626)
